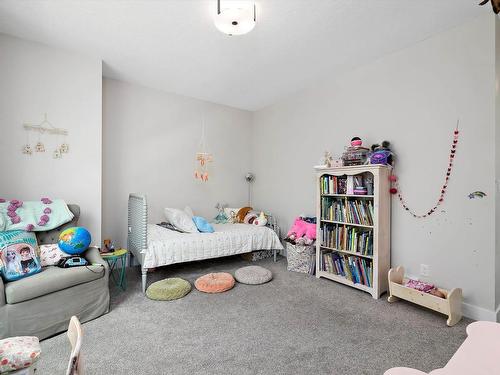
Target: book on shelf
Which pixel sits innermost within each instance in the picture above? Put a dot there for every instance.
(355, 269)
(312, 265)
(350, 185)
(351, 211)
(333, 185)
(347, 239)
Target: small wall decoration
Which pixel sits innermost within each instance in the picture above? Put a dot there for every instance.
(202, 159)
(45, 127)
(477, 194)
(396, 189)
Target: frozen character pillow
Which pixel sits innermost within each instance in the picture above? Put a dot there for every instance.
(18, 255)
(231, 214)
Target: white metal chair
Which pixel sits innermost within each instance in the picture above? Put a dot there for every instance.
(75, 339)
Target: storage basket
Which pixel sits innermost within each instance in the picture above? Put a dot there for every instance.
(299, 257)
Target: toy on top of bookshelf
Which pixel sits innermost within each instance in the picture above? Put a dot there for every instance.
(329, 161)
(381, 154)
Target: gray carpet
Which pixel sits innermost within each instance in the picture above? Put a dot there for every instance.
(296, 324)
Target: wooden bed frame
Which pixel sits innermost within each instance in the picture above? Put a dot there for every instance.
(137, 239)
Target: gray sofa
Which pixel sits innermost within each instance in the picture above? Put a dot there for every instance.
(42, 305)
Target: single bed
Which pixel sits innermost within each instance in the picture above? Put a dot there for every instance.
(154, 246)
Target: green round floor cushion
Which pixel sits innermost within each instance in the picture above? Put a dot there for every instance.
(168, 289)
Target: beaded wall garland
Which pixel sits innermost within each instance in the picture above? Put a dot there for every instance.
(397, 190)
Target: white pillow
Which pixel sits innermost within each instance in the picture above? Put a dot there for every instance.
(50, 254)
(180, 220)
(231, 214)
(189, 211)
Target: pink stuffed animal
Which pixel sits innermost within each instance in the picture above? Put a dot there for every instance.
(300, 229)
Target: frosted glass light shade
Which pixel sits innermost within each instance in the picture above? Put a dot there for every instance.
(236, 18)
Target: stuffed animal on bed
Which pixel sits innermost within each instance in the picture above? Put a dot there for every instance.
(240, 216)
(302, 232)
(261, 221)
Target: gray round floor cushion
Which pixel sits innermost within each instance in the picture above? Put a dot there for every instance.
(253, 275)
(168, 289)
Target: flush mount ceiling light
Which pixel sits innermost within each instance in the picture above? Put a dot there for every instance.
(235, 17)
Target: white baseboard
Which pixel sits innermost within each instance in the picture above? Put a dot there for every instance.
(480, 313)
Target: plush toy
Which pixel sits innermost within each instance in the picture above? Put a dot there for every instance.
(240, 216)
(381, 154)
(261, 221)
(302, 232)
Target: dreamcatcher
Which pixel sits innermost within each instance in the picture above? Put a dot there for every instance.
(202, 159)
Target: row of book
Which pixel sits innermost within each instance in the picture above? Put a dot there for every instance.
(358, 270)
(343, 184)
(333, 185)
(347, 239)
(352, 211)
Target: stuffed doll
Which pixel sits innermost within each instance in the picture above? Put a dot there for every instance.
(240, 216)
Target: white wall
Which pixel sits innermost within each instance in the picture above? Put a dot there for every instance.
(412, 98)
(150, 141)
(37, 79)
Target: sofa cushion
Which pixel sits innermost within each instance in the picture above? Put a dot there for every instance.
(50, 280)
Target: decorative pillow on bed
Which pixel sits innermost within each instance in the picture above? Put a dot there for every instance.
(203, 225)
(231, 214)
(180, 220)
(18, 255)
(189, 211)
(51, 254)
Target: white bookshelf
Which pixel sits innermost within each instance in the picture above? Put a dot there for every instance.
(380, 258)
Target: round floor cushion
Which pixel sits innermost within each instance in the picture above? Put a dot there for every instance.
(168, 289)
(253, 275)
(215, 282)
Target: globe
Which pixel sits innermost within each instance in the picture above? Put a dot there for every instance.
(74, 241)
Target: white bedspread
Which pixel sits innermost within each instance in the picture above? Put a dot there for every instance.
(168, 247)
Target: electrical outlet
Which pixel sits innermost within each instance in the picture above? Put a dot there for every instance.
(425, 270)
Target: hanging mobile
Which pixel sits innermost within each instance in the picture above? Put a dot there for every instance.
(396, 189)
(64, 147)
(39, 147)
(27, 150)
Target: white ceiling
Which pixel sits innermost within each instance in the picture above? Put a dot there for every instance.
(173, 45)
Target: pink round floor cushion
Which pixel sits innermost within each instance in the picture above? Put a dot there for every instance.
(215, 282)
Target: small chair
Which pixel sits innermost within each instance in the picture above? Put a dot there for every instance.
(75, 339)
(477, 355)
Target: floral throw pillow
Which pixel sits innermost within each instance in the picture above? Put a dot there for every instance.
(51, 254)
(19, 255)
(18, 352)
